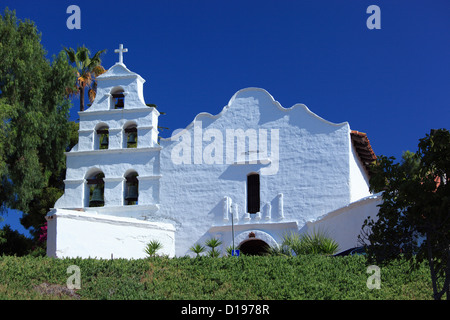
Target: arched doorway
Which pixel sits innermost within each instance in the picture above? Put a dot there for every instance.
(254, 247)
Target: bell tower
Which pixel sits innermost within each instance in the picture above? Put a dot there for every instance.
(120, 97)
(114, 169)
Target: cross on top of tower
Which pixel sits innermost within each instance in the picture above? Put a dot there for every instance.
(120, 51)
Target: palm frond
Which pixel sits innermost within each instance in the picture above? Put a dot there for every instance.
(82, 54)
(95, 60)
(91, 95)
(88, 68)
(70, 54)
(84, 80)
(72, 91)
(98, 70)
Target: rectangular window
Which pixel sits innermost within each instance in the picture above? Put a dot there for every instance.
(253, 193)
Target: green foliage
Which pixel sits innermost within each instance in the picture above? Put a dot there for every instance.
(33, 113)
(34, 218)
(13, 243)
(152, 247)
(247, 278)
(229, 251)
(315, 243)
(213, 243)
(197, 249)
(87, 68)
(73, 134)
(34, 127)
(416, 205)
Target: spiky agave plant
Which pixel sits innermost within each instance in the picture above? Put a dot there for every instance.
(152, 247)
(213, 244)
(317, 243)
(197, 249)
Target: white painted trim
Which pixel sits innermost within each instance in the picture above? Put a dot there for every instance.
(118, 179)
(76, 181)
(78, 215)
(334, 213)
(110, 151)
(264, 161)
(289, 225)
(144, 178)
(259, 235)
(124, 74)
(145, 127)
(113, 111)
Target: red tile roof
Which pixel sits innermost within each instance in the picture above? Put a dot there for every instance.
(363, 148)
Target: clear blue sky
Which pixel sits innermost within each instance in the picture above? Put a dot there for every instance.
(392, 83)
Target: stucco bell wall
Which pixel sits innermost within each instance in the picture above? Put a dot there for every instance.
(118, 77)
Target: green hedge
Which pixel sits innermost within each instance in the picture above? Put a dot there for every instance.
(249, 277)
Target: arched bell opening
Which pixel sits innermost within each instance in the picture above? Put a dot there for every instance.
(131, 189)
(118, 98)
(130, 136)
(96, 189)
(102, 140)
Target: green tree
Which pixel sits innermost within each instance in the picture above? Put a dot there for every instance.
(13, 243)
(414, 219)
(40, 205)
(87, 69)
(33, 112)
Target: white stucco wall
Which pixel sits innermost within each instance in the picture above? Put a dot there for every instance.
(115, 165)
(344, 224)
(118, 77)
(86, 235)
(359, 179)
(312, 169)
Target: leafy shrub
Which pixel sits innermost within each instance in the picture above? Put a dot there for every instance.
(246, 277)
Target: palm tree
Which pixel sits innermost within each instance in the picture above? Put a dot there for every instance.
(87, 68)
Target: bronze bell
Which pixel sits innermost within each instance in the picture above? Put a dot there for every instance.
(119, 102)
(132, 193)
(97, 197)
(104, 142)
(132, 137)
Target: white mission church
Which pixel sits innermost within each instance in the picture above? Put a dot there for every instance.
(247, 176)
